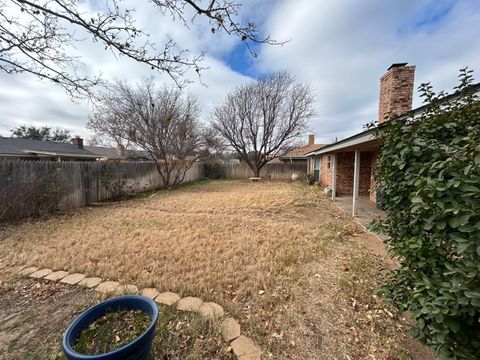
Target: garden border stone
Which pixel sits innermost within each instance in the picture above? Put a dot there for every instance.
(242, 346)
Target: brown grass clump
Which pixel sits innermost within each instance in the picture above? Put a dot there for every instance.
(273, 254)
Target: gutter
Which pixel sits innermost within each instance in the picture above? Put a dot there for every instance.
(33, 152)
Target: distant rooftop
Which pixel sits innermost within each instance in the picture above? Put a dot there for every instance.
(10, 146)
(116, 153)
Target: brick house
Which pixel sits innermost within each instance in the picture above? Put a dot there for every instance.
(298, 155)
(347, 166)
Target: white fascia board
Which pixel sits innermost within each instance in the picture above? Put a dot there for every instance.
(49, 153)
(363, 138)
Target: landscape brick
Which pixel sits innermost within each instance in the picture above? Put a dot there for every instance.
(73, 279)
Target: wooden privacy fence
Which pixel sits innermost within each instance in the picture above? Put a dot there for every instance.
(82, 181)
(268, 172)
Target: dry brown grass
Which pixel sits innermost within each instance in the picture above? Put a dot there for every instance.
(273, 254)
(201, 239)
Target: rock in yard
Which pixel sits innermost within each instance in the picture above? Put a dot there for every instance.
(245, 349)
(90, 282)
(27, 271)
(206, 311)
(189, 303)
(107, 287)
(150, 292)
(230, 329)
(56, 275)
(211, 310)
(73, 279)
(40, 273)
(127, 289)
(167, 298)
(217, 309)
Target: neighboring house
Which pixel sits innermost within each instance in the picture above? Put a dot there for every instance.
(232, 161)
(27, 149)
(299, 155)
(347, 166)
(118, 154)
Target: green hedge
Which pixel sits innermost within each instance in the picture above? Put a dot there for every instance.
(429, 172)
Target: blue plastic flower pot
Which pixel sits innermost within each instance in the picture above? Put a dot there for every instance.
(138, 349)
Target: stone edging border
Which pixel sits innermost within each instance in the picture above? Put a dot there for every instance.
(242, 346)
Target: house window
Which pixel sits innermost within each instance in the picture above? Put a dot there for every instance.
(329, 161)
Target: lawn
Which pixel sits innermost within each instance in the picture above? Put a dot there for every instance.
(281, 258)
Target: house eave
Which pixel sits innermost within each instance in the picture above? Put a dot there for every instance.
(367, 136)
(58, 154)
(293, 157)
(358, 139)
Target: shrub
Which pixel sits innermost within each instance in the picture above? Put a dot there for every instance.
(115, 181)
(429, 171)
(214, 170)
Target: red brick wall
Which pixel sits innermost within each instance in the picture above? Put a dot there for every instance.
(373, 185)
(396, 92)
(345, 167)
(345, 163)
(365, 172)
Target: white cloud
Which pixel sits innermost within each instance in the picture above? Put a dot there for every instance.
(341, 47)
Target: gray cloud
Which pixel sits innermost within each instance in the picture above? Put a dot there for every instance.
(341, 47)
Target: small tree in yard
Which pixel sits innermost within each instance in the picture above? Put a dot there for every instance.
(162, 122)
(264, 119)
(429, 171)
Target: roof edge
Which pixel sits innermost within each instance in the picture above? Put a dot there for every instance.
(408, 114)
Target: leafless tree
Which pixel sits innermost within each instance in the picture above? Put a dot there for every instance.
(264, 119)
(36, 37)
(161, 121)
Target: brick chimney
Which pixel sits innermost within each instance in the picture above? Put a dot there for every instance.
(78, 142)
(311, 139)
(396, 91)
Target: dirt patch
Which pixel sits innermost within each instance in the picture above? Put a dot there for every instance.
(34, 314)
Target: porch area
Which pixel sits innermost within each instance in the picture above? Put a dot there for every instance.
(366, 209)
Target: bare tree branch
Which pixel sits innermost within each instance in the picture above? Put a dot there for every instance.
(264, 119)
(36, 37)
(162, 122)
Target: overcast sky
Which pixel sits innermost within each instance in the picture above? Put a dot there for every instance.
(341, 47)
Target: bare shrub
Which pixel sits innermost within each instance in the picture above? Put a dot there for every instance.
(115, 181)
(161, 121)
(35, 196)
